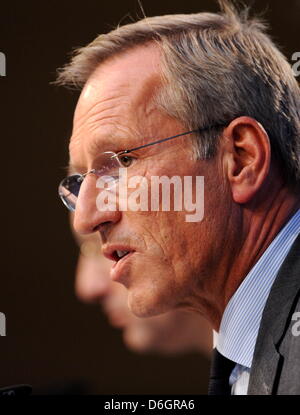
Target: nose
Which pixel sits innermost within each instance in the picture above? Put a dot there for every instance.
(90, 215)
(92, 282)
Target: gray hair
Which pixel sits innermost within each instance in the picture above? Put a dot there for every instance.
(215, 68)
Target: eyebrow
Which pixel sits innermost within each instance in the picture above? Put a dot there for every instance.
(97, 146)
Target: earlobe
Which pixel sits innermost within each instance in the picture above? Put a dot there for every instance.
(249, 155)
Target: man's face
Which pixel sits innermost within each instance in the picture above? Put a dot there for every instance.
(173, 332)
(168, 256)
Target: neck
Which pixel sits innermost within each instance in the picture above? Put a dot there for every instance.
(261, 221)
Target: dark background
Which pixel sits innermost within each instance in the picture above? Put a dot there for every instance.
(53, 341)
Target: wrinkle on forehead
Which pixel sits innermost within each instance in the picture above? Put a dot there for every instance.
(118, 98)
(133, 74)
(107, 111)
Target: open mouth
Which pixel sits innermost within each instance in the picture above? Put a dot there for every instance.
(116, 254)
(120, 254)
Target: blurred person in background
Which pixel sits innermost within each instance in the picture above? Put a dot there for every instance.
(174, 332)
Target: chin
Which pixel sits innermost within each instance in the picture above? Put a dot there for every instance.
(144, 304)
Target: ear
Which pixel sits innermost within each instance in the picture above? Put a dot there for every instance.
(248, 157)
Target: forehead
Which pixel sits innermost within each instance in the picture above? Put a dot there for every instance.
(116, 102)
(126, 79)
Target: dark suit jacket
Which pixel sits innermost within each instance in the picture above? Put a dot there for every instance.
(276, 362)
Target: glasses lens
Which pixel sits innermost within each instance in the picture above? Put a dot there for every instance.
(108, 170)
(106, 167)
(69, 190)
(107, 164)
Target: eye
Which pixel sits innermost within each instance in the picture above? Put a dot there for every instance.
(126, 160)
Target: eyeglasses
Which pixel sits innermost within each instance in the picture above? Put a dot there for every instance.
(110, 164)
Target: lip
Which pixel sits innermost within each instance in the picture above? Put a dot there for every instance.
(118, 265)
(117, 268)
(109, 249)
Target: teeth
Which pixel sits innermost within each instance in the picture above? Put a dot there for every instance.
(121, 253)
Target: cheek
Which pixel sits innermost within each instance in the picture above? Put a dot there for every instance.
(157, 281)
(169, 241)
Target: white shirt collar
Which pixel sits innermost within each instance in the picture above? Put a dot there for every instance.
(241, 319)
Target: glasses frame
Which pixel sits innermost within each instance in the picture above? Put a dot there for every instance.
(116, 155)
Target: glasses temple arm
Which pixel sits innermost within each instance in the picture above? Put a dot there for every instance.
(170, 138)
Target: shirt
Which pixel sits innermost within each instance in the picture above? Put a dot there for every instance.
(242, 316)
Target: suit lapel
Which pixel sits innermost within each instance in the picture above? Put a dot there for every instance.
(266, 365)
